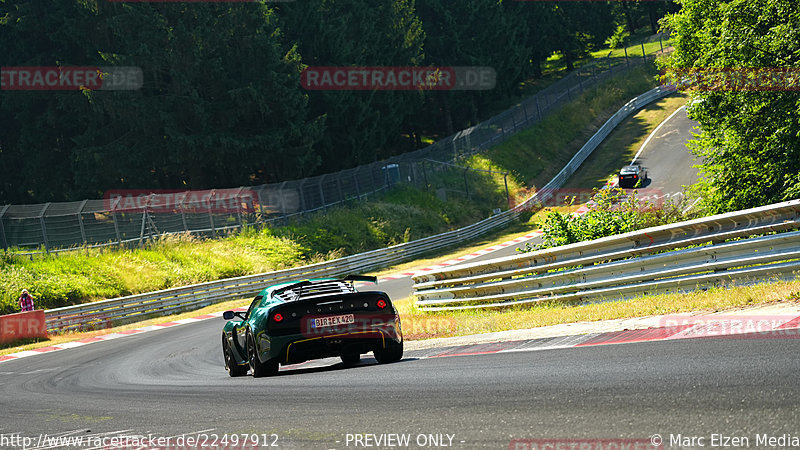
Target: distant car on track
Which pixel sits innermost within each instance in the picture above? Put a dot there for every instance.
(294, 322)
(629, 176)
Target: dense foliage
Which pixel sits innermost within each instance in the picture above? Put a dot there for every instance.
(750, 145)
(613, 212)
(222, 103)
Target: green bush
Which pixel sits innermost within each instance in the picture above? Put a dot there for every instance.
(620, 37)
(613, 213)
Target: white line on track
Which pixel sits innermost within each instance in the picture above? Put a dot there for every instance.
(649, 138)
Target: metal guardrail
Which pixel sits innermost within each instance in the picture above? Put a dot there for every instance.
(169, 301)
(737, 246)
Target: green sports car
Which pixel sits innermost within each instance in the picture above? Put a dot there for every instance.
(294, 322)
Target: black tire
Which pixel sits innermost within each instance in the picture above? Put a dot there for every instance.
(257, 368)
(234, 369)
(393, 352)
(350, 359)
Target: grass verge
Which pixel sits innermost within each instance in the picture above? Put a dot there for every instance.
(422, 325)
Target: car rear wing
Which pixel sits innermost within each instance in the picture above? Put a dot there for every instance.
(365, 278)
(307, 288)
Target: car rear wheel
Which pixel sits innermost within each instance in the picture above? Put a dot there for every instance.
(257, 368)
(393, 352)
(351, 359)
(233, 368)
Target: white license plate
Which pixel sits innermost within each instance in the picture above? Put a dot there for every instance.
(332, 321)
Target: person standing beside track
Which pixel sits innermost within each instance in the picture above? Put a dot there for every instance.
(26, 301)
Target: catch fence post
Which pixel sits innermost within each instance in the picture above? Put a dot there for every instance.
(2, 228)
(80, 221)
(114, 218)
(44, 228)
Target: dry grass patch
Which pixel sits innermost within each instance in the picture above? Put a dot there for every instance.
(462, 323)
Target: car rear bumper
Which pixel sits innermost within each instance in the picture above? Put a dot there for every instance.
(301, 347)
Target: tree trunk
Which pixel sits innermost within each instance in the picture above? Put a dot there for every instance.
(651, 11)
(629, 18)
(569, 60)
(448, 116)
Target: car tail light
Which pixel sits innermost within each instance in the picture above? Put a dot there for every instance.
(278, 317)
(381, 303)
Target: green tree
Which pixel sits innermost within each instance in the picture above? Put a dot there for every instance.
(36, 128)
(750, 141)
(579, 27)
(475, 33)
(361, 126)
(220, 105)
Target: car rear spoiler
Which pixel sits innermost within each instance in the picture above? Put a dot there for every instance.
(351, 278)
(365, 278)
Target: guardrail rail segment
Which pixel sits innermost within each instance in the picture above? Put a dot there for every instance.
(134, 307)
(740, 246)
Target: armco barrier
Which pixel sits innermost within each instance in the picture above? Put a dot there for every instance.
(169, 301)
(737, 246)
(24, 325)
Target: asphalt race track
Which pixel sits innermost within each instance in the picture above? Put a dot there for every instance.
(172, 383)
(667, 159)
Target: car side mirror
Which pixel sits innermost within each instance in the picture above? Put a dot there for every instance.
(228, 315)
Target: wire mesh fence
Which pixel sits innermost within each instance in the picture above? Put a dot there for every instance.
(130, 216)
